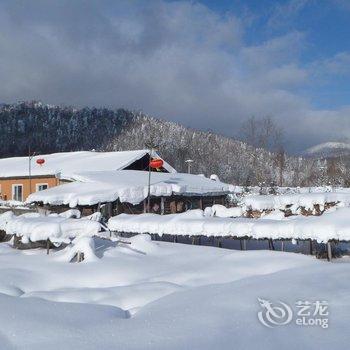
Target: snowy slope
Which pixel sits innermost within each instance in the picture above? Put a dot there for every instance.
(156, 295)
(328, 149)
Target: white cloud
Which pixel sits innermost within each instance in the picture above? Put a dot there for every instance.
(339, 64)
(176, 60)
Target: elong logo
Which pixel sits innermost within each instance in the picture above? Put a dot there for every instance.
(280, 314)
(273, 315)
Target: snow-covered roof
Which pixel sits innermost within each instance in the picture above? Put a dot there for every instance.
(67, 163)
(128, 185)
(56, 227)
(334, 224)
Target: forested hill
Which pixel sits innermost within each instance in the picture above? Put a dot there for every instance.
(48, 129)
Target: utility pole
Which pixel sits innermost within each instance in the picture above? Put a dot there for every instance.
(30, 157)
(152, 146)
(189, 165)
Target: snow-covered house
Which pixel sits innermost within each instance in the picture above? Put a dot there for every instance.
(126, 191)
(21, 176)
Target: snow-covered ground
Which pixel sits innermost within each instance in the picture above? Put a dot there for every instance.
(157, 295)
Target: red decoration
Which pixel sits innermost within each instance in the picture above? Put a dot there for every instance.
(156, 163)
(40, 161)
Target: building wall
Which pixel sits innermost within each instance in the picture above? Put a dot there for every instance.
(7, 184)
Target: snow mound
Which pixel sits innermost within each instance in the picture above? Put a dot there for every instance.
(97, 216)
(84, 245)
(143, 243)
(214, 177)
(72, 213)
(5, 218)
(223, 212)
(14, 291)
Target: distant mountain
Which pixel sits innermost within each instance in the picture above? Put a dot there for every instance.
(328, 150)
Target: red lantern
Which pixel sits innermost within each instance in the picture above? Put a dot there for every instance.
(40, 161)
(156, 163)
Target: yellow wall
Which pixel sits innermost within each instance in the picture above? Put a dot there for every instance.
(6, 185)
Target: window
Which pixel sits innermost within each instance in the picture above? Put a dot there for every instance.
(41, 187)
(17, 193)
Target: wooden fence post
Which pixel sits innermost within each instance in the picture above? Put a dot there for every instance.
(47, 246)
(310, 241)
(201, 203)
(329, 251)
(220, 243)
(80, 257)
(109, 208)
(162, 205)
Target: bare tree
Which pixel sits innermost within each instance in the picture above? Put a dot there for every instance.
(280, 162)
(262, 133)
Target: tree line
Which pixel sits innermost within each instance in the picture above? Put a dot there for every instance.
(258, 159)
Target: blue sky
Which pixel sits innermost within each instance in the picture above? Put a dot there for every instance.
(207, 64)
(325, 25)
